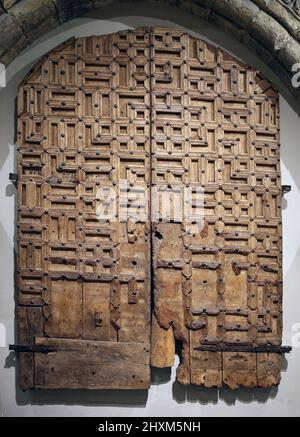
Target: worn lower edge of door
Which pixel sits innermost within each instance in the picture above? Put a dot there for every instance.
(234, 369)
(84, 364)
(217, 365)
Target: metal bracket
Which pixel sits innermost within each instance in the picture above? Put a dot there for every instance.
(31, 348)
(243, 348)
(13, 177)
(286, 188)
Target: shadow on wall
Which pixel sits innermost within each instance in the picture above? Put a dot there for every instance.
(138, 398)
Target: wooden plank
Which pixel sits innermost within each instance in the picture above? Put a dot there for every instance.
(96, 312)
(30, 325)
(64, 312)
(239, 368)
(268, 369)
(162, 345)
(206, 369)
(105, 348)
(94, 365)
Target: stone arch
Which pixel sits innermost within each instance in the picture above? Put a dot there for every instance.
(270, 28)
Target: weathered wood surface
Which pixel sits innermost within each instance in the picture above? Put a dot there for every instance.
(215, 124)
(92, 364)
(158, 109)
(83, 127)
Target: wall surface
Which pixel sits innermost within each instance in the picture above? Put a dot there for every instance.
(166, 397)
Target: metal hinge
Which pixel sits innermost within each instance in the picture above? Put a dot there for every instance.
(31, 348)
(286, 188)
(243, 348)
(13, 177)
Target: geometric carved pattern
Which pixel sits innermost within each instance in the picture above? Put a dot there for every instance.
(83, 125)
(155, 107)
(215, 123)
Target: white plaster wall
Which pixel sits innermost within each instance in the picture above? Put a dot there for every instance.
(166, 397)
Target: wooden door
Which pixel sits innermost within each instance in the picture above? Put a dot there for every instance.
(83, 274)
(105, 125)
(218, 289)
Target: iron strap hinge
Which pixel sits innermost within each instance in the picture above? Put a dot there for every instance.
(243, 348)
(31, 348)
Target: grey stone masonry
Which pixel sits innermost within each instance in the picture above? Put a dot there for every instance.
(271, 28)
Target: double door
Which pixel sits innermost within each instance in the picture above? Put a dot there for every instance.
(149, 214)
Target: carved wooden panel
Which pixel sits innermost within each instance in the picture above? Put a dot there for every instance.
(84, 122)
(219, 290)
(106, 125)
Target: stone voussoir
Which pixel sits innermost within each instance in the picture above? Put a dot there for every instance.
(69, 9)
(200, 10)
(269, 32)
(7, 4)
(11, 34)
(280, 13)
(241, 12)
(290, 54)
(271, 28)
(35, 17)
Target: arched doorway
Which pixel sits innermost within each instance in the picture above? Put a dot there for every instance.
(127, 114)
